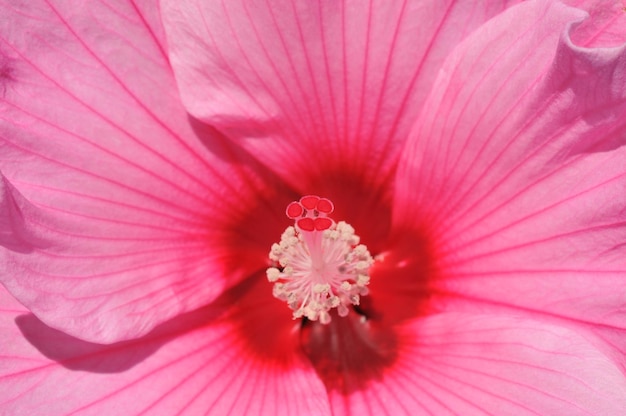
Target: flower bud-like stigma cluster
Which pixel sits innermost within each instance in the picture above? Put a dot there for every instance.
(318, 264)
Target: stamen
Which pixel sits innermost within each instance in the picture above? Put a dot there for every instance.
(318, 264)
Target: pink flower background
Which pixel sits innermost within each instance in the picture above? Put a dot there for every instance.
(148, 151)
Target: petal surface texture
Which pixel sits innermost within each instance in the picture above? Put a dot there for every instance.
(186, 367)
(315, 87)
(605, 28)
(517, 167)
(464, 364)
(124, 211)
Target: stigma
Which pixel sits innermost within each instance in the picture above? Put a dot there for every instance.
(318, 265)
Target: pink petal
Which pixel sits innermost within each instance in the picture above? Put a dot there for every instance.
(332, 87)
(516, 171)
(186, 366)
(127, 212)
(606, 26)
(454, 364)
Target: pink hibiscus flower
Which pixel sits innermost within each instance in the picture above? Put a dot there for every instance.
(148, 152)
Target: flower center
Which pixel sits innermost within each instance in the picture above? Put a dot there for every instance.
(318, 264)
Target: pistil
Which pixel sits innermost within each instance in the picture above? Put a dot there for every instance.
(318, 264)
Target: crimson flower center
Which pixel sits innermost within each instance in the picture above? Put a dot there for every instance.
(318, 264)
